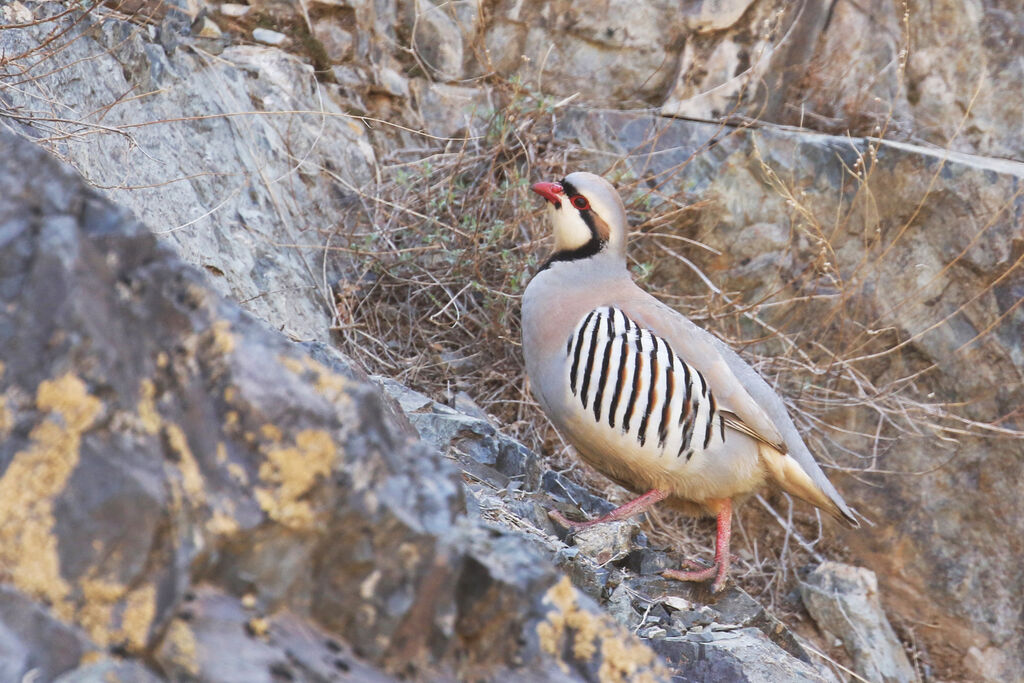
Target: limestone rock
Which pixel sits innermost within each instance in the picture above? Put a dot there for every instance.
(435, 36)
(450, 110)
(215, 637)
(339, 43)
(32, 639)
(614, 51)
(187, 179)
(269, 37)
(185, 444)
(844, 600)
(744, 655)
(109, 669)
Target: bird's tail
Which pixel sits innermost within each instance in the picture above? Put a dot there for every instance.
(789, 476)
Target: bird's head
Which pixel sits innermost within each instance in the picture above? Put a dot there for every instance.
(587, 216)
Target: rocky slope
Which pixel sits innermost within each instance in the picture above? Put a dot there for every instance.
(193, 490)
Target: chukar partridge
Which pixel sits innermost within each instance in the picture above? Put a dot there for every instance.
(646, 397)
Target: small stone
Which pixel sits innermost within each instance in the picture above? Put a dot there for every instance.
(653, 632)
(232, 9)
(258, 626)
(677, 603)
(606, 542)
(844, 600)
(16, 13)
(209, 29)
(645, 562)
(268, 37)
(393, 82)
(338, 43)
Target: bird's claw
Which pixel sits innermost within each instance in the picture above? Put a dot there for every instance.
(715, 572)
(568, 523)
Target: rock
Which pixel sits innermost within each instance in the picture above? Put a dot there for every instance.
(606, 542)
(216, 638)
(435, 36)
(33, 642)
(743, 655)
(208, 29)
(450, 110)
(109, 669)
(16, 13)
(228, 222)
(234, 10)
(393, 83)
(748, 69)
(858, 67)
(710, 16)
(269, 37)
(186, 446)
(844, 600)
(466, 438)
(645, 561)
(612, 52)
(338, 42)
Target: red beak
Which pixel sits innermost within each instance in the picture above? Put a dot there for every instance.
(549, 191)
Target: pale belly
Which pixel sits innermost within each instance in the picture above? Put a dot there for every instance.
(727, 469)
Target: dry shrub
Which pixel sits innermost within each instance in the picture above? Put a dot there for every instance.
(443, 250)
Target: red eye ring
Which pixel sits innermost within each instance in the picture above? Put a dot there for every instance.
(580, 202)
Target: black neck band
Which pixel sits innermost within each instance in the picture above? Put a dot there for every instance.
(591, 248)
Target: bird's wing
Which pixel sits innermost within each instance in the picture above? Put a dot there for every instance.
(697, 347)
(755, 408)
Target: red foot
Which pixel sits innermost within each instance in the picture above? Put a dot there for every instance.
(720, 570)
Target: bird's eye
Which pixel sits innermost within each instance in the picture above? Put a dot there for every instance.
(580, 202)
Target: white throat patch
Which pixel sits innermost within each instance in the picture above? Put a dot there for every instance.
(570, 230)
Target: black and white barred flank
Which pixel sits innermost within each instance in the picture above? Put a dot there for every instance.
(631, 378)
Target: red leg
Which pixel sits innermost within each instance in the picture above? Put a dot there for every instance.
(633, 507)
(720, 570)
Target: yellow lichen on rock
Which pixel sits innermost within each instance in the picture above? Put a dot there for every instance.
(98, 613)
(6, 418)
(147, 407)
(182, 646)
(290, 472)
(237, 473)
(223, 340)
(622, 657)
(191, 475)
(31, 483)
(221, 524)
(258, 626)
(328, 383)
(138, 615)
(271, 432)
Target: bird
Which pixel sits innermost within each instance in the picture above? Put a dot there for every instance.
(646, 397)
